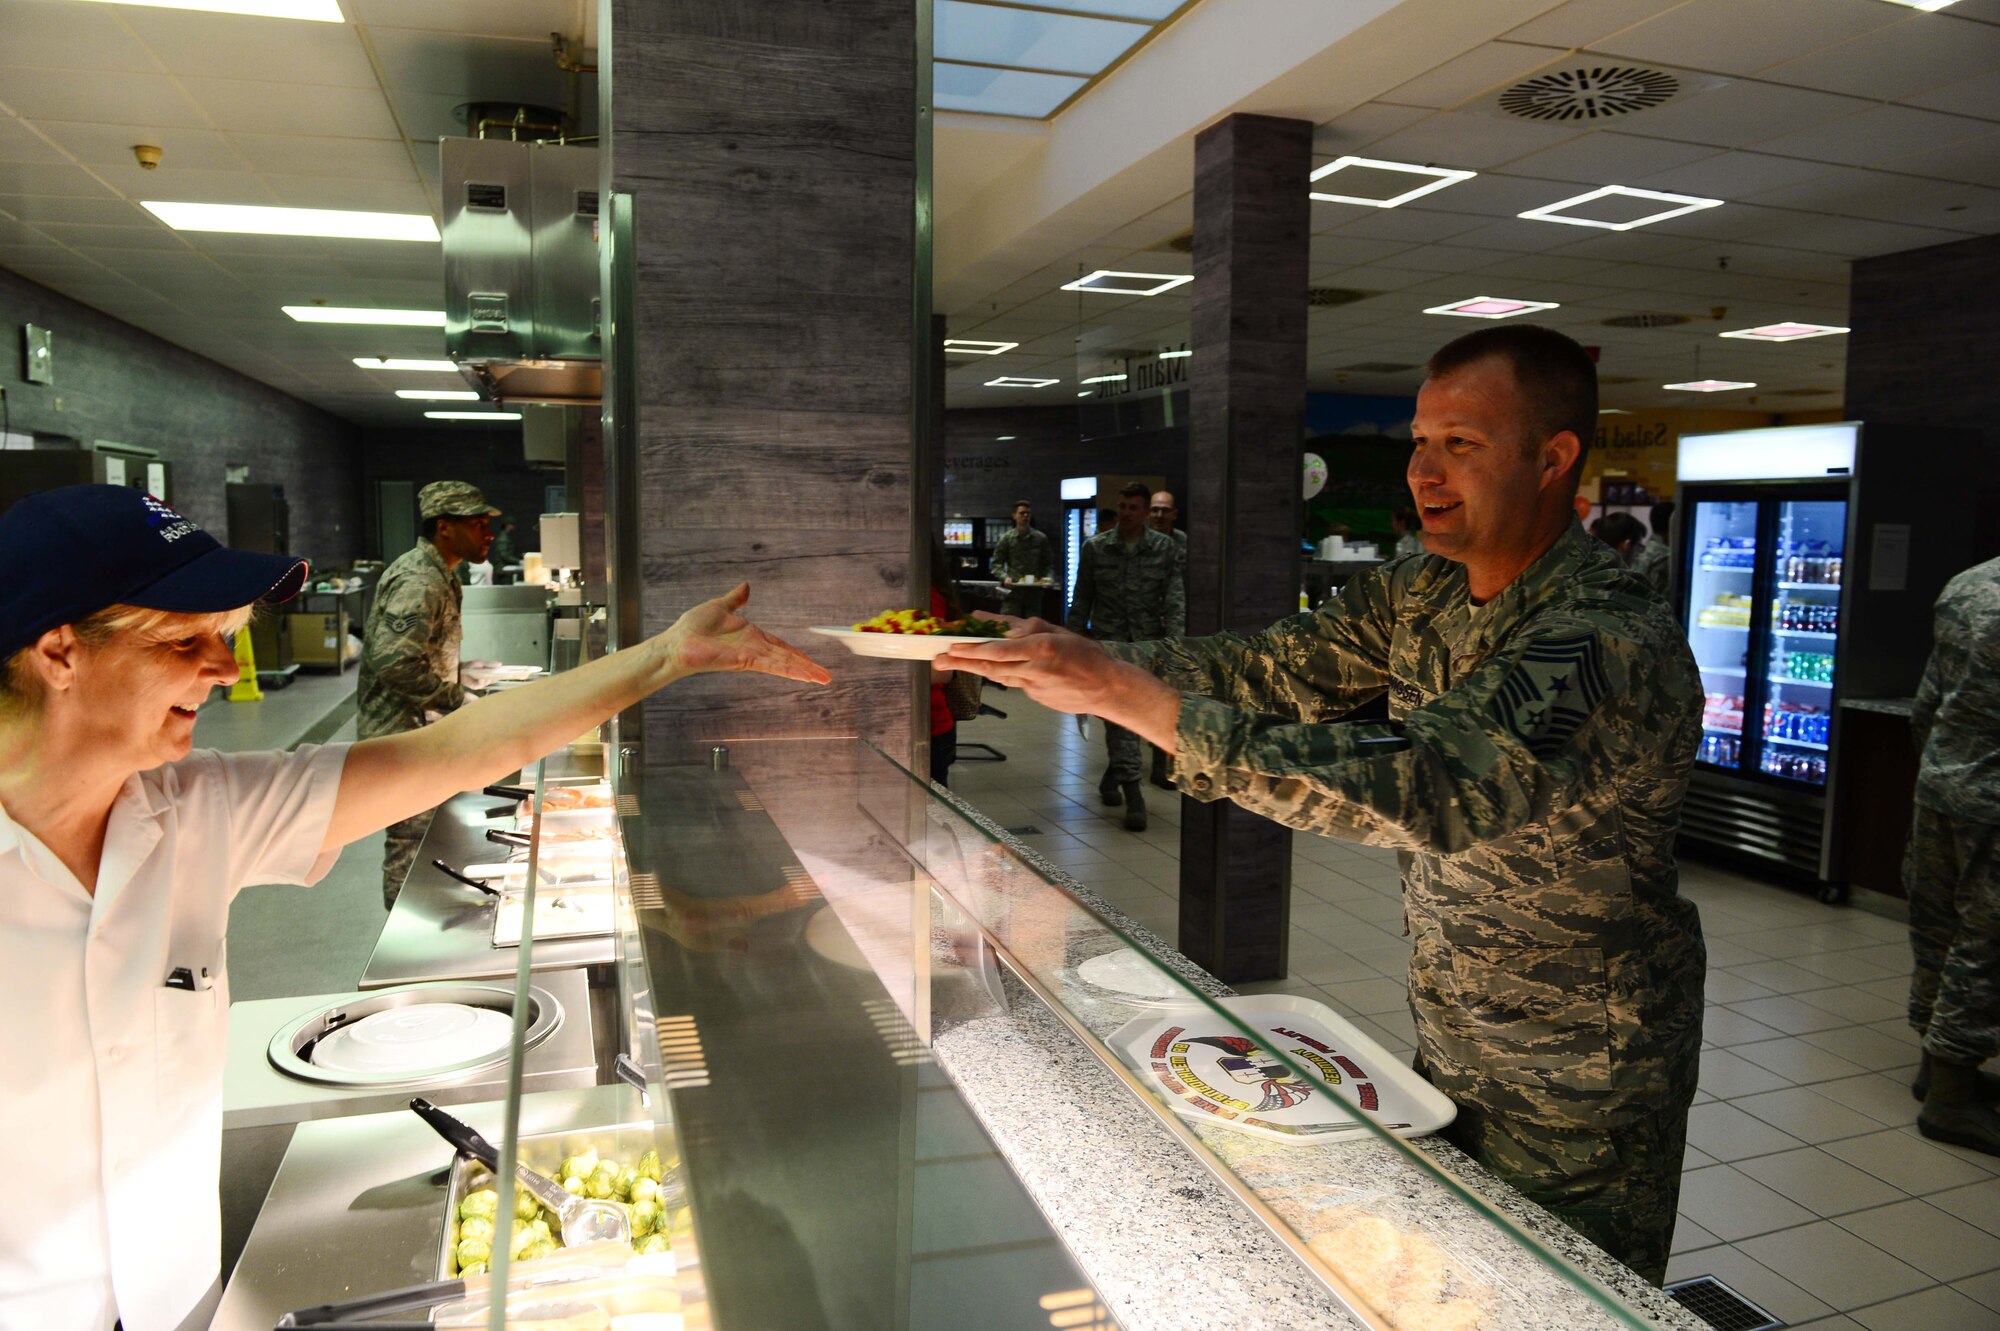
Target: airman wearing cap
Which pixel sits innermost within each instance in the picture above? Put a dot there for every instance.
(409, 648)
(120, 850)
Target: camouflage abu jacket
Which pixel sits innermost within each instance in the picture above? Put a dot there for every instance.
(1956, 720)
(409, 651)
(1019, 555)
(1130, 595)
(1534, 772)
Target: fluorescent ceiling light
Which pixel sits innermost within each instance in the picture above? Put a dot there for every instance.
(1491, 307)
(396, 363)
(1105, 379)
(1015, 381)
(1174, 355)
(1083, 392)
(1108, 282)
(257, 220)
(344, 314)
(1002, 438)
(472, 415)
(438, 394)
(1686, 203)
(972, 347)
(316, 11)
(1928, 6)
(1709, 385)
(1436, 178)
(1785, 332)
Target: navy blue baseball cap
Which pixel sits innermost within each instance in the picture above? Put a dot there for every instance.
(71, 552)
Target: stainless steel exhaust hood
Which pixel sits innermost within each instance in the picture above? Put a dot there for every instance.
(522, 311)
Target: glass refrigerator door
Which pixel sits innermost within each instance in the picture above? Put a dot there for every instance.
(1720, 580)
(1805, 625)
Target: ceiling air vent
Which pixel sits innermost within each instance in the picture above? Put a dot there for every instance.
(1589, 92)
(1324, 297)
(1653, 319)
(1377, 367)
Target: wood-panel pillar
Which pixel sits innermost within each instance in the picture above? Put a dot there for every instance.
(773, 156)
(1247, 411)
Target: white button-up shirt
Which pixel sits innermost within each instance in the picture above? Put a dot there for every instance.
(110, 1079)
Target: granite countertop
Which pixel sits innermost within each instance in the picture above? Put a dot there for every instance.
(1168, 1245)
(1887, 706)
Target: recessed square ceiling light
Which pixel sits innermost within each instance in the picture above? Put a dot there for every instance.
(1003, 438)
(438, 394)
(1709, 385)
(472, 415)
(1684, 203)
(961, 346)
(1175, 355)
(1105, 379)
(347, 314)
(397, 363)
(316, 11)
(1491, 307)
(1928, 6)
(257, 220)
(1436, 178)
(1112, 283)
(1015, 381)
(1785, 332)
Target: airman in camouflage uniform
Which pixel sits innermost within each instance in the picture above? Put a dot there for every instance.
(1131, 586)
(1023, 552)
(1952, 868)
(409, 649)
(1545, 712)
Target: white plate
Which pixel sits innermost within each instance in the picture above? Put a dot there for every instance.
(1132, 977)
(412, 1038)
(1205, 1068)
(897, 646)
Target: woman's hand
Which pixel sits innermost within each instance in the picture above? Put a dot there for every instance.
(713, 636)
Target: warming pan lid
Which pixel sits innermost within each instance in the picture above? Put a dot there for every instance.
(410, 1036)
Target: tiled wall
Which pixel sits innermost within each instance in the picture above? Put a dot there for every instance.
(115, 382)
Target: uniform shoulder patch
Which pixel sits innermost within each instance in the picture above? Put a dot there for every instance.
(401, 624)
(1551, 692)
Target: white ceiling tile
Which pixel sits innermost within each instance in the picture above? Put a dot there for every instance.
(1584, 22)
(1978, 96)
(69, 36)
(1743, 36)
(92, 97)
(1411, 226)
(1856, 238)
(1519, 235)
(1477, 72)
(1974, 160)
(257, 107)
(1880, 195)
(1605, 157)
(388, 196)
(183, 149)
(181, 185)
(1497, 194)
(1739, 114)
(224, 46)
(1880, 134)
(19, 143)
(1733, 175)
(1923, 52)
(53, 179)
(40, 209)
(530, 20)
(473, 68)
(108, 242)
(1354, 131)
(1452, 139)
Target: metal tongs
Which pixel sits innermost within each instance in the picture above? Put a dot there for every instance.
(584, 1220)
(465, 878)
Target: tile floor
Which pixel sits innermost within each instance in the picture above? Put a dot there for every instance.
(1808, 1188)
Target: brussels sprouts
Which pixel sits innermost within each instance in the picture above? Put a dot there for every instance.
(654, 1243)
(522, 1237)
(485, 1202)
(473, 1269)
(626, 1178)
(574, 1186)
(578, 1166)
(476, 1227)
(681, 1222)
(535, 1250)
(645, 1189)
(602, 1184)
(647, 1216)
(649, 1167)
(472, 1251)
(525, 1205)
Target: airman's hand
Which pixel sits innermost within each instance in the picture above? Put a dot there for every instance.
(713, 636)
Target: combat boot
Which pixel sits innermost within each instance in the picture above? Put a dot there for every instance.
(1135, 807)
(1954, 1112)
(1107, 789)
(1989, 1085)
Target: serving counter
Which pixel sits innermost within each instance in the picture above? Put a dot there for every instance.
(895, 1054)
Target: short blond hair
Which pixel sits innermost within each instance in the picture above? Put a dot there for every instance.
(21, 688)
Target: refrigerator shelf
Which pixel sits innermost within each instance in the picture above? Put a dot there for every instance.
(1721, 730)
(1794, 743)
(1723, 670)
(1809, 683)
(1727, 628)
(1809, 586)
(1804, 633)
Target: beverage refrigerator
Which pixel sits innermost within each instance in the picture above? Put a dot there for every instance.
(1807, 561)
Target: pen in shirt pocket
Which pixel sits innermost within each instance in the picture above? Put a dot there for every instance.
(183, 977)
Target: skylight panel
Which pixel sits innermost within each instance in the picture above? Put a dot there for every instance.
(1000, 92)
(1030, 38)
